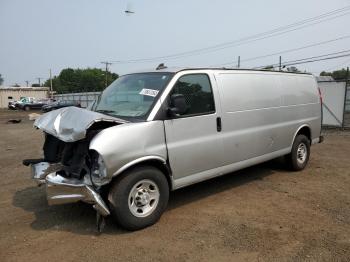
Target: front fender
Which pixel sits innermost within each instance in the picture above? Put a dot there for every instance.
(124, 144)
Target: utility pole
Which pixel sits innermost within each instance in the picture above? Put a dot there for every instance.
(280, 64)
(27, 83)
(107, 64)
(51, 93)
(39, 78)
(239, 62)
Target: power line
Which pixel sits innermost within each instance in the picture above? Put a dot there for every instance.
(287, 51)
(334, 53)
(257, 37)
(339, 65)
(106, 72)
(328, 56)
(316, 60)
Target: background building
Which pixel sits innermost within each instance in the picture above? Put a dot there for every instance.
(8, 94)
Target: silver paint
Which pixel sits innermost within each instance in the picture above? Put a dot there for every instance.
(69, 124)
(261, 113)
(129, 143)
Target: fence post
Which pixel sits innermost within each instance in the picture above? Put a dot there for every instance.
(345, 96)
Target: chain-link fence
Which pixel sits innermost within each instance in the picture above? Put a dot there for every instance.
(336, 103)
(83, 98)
(347, 108)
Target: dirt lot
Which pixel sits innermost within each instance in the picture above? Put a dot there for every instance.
(262, 213)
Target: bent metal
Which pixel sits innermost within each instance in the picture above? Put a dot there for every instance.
(153, 132)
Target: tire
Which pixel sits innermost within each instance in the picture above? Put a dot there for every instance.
(299, 157)
(144, 183)
(26, 108)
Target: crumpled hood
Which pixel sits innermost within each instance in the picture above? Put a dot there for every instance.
(69, 124)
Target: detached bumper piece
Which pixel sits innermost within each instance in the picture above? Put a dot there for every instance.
(41, 170)
(62, 190)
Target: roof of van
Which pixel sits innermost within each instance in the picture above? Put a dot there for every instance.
(179, 69)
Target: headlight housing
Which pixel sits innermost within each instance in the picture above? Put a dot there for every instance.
(98, 170)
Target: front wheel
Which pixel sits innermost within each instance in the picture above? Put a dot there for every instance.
(299, 157)
(139, 197)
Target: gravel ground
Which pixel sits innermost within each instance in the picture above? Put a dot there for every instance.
(263, 213)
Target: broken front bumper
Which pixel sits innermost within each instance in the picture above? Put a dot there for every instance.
(61, 190)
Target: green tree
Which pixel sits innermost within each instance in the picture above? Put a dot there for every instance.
(80, 80)
(1, 80)
(337, 75)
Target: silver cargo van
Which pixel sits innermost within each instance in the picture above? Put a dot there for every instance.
(152, 132)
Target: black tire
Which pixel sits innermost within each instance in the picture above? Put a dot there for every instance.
(295, 160)
(26, 108)
(120, 195)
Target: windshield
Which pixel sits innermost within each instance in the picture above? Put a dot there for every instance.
(23, 100)
(132, 96)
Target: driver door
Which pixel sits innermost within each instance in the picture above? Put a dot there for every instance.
(193, 139)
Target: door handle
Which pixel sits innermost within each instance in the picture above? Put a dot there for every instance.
(218, 124)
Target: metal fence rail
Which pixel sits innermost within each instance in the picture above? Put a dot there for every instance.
(347, 108)
(83, 98)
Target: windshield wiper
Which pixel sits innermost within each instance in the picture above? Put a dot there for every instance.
(105, 111)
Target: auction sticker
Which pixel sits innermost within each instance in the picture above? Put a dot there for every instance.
(149, 92)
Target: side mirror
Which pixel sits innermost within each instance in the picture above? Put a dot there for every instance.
(178, 105)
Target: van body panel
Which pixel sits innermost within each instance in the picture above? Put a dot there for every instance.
(194, 144)
(263, 110)
(208, 174)
(123, 144)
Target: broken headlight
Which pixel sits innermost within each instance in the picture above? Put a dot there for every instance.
(98, 170)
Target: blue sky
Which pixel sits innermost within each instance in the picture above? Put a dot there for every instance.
(37, 35)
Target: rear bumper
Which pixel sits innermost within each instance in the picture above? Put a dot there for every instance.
(61, 190)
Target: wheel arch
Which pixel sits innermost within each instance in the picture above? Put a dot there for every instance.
(154, 161)
(304, 130)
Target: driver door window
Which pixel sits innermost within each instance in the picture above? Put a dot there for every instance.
(196, 89)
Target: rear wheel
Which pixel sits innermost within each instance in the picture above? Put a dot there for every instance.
(139, 197)
(299, 157)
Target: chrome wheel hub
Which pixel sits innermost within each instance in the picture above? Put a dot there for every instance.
(143, 198)
(301, 153)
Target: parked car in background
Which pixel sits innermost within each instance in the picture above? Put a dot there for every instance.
(15, 104)
(59, 104)
(35, 104)
(12, 105)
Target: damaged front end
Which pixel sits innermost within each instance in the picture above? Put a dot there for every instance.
(70, 171)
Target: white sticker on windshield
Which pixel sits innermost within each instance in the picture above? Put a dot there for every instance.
(149, 92)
